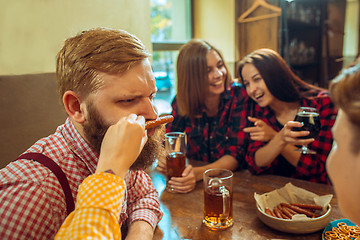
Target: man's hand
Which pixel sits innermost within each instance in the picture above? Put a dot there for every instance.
(140, 230)
(122, 145)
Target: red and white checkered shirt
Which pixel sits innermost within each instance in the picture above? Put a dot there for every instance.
(32, 202)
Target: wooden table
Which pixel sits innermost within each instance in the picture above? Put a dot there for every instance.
(183, 213)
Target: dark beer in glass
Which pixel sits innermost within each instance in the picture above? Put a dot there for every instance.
(309, 117)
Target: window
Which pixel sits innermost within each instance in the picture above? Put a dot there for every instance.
(171, 27)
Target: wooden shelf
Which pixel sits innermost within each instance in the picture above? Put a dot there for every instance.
(299, 24)
(301, 37)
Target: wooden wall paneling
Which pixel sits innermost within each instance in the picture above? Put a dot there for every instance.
(257, 34)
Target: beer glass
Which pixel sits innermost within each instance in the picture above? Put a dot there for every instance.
(311, 122)
(175, 148)
(218, 198)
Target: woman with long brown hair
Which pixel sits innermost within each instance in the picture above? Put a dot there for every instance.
(208, 108)
(276, 94)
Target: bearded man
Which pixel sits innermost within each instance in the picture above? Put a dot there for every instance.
(103, 75)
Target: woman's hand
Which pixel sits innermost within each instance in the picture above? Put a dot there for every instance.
(291, 137)
(122, 144)
(161, 165)
(261, 131)
(184, 184)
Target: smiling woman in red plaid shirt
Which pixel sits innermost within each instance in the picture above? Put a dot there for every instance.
(276, 94)
(208, 108)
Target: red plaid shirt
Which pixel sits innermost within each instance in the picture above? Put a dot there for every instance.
(31, 198)
(310, 167)
(208, 139)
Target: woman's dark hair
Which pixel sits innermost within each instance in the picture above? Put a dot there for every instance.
(279, 79)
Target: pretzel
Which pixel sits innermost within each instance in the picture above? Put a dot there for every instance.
(269, 212)
(282, 214)
(159, 121)
(308, 206)
(300, 210)
(286, 211)
(343, 231)
(292, 212)
(277, 213)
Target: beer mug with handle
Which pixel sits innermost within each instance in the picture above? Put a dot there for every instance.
(218, 198)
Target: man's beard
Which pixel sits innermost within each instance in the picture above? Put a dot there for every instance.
(95, 128)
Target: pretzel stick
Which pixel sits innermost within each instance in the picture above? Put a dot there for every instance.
(159, 121)
(285, 211)
(280, 214)
(300, 210)
(308, 206)
(289, 210)
(277, 212)
(269, 212)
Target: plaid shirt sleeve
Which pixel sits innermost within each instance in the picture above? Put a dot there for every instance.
(97, 209)
(250, 157)
(142, 198)
(313, 165)
(179, 122)
(237, 142)
(254, 111)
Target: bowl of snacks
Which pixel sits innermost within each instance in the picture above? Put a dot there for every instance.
(341, 229)
(293, 210)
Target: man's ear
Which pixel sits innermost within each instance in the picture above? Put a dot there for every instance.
(74, 107)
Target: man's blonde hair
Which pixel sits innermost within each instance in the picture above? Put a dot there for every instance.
(101, 50)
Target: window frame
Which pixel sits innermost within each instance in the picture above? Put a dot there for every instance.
(176, 45)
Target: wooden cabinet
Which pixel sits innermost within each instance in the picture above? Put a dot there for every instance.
(309, 34)
(302, 38)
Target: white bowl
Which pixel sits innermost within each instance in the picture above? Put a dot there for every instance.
(295, 226)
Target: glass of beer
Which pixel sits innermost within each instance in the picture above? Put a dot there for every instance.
(218, 198)
(309, 117)
(175, 148)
